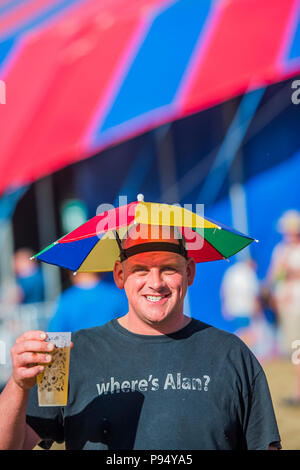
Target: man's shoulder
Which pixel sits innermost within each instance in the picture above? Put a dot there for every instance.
(227, 348)
(92, 332)
(214, 331)
(92, 341)
(227, 341)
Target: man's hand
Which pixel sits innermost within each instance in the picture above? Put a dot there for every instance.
(29, 353)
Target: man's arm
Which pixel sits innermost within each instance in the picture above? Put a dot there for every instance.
(28, 352)
(14, 432)
(31, 438)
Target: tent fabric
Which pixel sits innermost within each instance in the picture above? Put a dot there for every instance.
(81, 75)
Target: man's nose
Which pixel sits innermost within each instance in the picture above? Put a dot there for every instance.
(155, 280)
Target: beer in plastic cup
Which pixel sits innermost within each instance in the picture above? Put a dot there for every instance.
(53, 381)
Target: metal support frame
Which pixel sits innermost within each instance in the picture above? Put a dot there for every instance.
(230, 146)
(47, 233)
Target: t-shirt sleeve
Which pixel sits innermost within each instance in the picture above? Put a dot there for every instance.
(260, 426)
(47, 422)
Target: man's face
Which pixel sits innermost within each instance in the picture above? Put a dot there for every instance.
(155, 283)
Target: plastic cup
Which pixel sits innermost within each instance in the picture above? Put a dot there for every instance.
(53, 381)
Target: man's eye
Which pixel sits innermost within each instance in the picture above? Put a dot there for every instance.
(169, 269)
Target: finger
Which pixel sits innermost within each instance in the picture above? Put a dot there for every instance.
(33, 346)
(32, 335)
(30, 372)
(28, 358)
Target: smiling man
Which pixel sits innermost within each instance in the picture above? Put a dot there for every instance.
(151, 379)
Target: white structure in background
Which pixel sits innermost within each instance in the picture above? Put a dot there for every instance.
(240, 294)
(240, 290)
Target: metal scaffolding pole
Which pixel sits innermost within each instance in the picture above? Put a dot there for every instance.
(47, 233)
(167, 164)
(7, 251)
(237, 196)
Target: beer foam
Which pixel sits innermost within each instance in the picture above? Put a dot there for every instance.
(60, 340)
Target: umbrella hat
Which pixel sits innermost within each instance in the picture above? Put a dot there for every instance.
(96, 245)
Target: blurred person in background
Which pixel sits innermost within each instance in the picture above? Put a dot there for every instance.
(29, 279)
(269, 311)
(242, 307)
(239, 294)
(25, 288)
(90, 301)
(284, 281)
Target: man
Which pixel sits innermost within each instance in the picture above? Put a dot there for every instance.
(153, 379)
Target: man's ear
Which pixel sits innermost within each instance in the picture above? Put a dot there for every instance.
(118, 274)
(191, 270)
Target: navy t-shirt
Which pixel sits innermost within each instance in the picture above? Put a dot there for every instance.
(198, 388)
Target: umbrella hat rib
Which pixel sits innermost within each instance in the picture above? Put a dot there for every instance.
(44, 250)
(48, 247)
(228, 243)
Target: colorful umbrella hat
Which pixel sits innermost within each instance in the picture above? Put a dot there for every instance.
(97, 244)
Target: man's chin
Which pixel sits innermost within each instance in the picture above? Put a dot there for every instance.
(157, 318)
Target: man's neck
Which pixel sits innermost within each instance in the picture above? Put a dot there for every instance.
(140, 327)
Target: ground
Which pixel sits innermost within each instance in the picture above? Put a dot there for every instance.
(280, 375)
